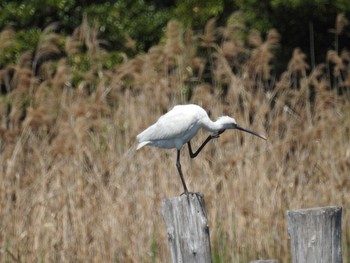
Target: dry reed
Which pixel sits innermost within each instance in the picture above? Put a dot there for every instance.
(73, 188)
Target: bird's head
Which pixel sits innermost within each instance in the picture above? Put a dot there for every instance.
(227, 122)
(230, 123)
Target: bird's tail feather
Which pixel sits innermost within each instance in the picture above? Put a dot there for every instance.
(141, 144)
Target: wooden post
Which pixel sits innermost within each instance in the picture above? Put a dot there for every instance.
(265, 261)
(187, 226)
(315, 235)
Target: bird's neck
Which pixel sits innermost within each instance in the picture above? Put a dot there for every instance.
(212, 126)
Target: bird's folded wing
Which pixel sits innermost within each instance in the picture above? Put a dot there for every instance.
(169, 126)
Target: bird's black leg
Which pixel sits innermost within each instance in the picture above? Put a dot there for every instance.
(210, 137)
(178, 165)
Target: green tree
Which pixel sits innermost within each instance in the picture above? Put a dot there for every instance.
(134, 25)
(196, 13)
(304, 24)
(140, 20)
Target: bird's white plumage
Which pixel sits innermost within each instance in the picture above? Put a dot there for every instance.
(175, 128)
(180, 125)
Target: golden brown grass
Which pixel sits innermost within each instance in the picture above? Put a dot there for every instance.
(73, 188)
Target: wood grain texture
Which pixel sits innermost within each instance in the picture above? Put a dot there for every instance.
(315, 235)
(187, 227)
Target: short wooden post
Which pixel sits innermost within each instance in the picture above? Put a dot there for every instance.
(265, 261)
(187, 226)
(315, 235)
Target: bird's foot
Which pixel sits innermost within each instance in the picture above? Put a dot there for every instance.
(197, 195)
(185, 193)
(217, 134)
(191, 193)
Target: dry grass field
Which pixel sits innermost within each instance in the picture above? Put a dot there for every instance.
(74, 189)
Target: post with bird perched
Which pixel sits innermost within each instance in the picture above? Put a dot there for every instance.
(187, 228)
(185, 216)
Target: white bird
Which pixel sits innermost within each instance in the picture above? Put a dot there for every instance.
(178, 126)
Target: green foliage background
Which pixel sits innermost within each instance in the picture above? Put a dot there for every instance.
(144, 21)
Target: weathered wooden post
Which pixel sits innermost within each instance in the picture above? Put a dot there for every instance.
(315, 235)
(187, 226)
(265, 261)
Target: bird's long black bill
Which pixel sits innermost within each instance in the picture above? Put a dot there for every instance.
(251, 132)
